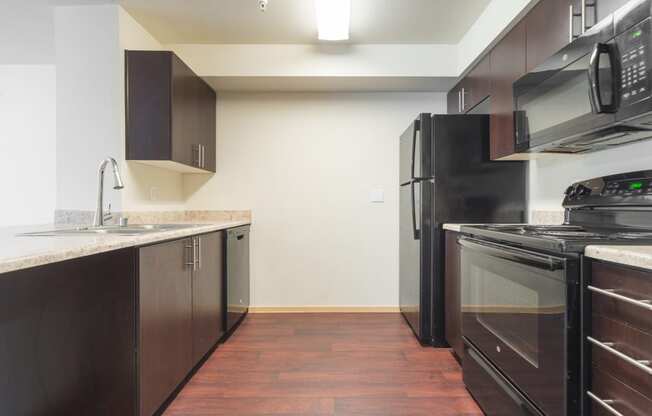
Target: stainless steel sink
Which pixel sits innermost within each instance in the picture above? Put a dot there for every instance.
(108, 229)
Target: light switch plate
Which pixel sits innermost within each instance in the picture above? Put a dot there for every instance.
(377, 195)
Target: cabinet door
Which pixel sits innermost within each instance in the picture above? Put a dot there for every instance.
(207, 122)
(67, 337)
(165, 309)
(477, 84)
(186, 129)
(148, 135)
(507, 65)
(547, 27)
(453, 293)
(207, 294)
(453, 100)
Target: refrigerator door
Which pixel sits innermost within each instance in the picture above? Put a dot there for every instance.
(416, 160)
(410, 255)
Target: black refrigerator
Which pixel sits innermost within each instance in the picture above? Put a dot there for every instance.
(446, 176)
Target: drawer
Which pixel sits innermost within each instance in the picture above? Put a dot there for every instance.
(620, 397)
(630, 283)
(626, 340)
(495, 394)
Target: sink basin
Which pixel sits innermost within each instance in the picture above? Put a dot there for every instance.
(108, 229)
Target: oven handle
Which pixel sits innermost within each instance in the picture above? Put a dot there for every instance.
(513, 254)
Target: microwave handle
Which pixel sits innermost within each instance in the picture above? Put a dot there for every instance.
(594, 79)
(513, 254)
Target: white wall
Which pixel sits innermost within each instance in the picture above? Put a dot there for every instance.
(548, 178)
(305, 164)
(88, 97)
(28, 143)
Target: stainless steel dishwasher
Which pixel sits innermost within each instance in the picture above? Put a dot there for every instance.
(237, 276)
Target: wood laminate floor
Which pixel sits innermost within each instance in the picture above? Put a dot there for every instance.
(325, 364)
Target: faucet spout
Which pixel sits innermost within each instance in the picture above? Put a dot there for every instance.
(98, 220)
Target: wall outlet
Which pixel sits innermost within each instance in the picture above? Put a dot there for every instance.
(153, 193)
(377, 195)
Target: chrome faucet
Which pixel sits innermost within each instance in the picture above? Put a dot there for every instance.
(99, 219)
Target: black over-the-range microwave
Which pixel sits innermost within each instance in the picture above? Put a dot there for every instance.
(595, 93)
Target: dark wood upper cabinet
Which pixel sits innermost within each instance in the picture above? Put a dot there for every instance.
(170, 113)
(207, 305)
(548, 30)
(477, 84)
(165, 313)
(67, 337)
(508, 63)
(471, 90)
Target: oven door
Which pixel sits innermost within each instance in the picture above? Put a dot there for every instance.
(514, 311)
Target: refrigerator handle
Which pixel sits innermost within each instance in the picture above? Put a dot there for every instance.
(416, 128)
(415, 231)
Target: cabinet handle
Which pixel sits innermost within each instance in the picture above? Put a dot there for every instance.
(571, 16)
(192, 253)
(463, 100)
(199, 252)
(608, 346)
(611, 293)
(459, 101)
(605, 403)
(202, 151)
(583, 13)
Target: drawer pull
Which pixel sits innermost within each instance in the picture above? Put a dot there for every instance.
(608, 346)
(645, 304)
(605, 403)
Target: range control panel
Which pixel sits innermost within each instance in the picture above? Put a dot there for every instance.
(634, 47)
(634, 188)
(628, 187)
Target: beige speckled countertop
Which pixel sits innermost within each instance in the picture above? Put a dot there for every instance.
(636, 256)
(21, 252)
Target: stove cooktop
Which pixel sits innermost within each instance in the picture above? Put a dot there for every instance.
(565, 238)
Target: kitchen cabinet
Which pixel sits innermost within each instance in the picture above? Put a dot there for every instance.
(207, 305)
(180, 312)
(471, 90)
(547, 30)
(618, 329)
(508, 62)
(67, 337)
(453, 294)
(170, 113)
(165, 315)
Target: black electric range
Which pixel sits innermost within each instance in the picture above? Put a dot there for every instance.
(521, 296)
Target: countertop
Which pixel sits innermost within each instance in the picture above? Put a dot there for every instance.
(22, 252)
(636, 256)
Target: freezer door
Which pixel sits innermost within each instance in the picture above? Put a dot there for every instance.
(410, 254)
(415, 151)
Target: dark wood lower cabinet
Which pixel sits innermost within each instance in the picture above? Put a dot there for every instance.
(453, 293)
(165, 314)
(207, 304)
(67, 337)
(625, 328)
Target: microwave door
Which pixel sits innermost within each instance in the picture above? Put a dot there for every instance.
(560, 106)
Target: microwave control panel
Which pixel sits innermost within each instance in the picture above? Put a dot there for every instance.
(634, 47)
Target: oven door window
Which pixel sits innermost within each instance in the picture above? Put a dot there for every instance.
(515, 313)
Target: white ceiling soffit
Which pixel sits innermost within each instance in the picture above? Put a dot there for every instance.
(331, 84)
(294, 21)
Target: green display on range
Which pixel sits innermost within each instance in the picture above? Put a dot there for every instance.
(635, 185)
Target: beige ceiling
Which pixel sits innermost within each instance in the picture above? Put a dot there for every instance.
(293, 21)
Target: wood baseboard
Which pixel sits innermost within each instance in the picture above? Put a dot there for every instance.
(324, 309)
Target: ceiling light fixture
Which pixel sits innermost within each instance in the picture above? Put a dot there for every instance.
(333, 19)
